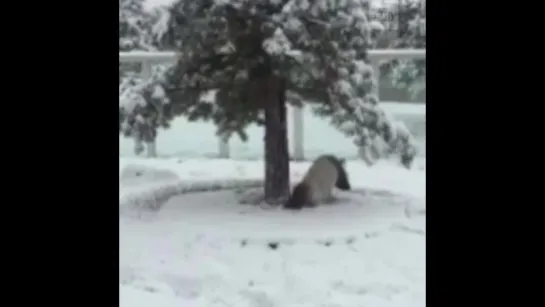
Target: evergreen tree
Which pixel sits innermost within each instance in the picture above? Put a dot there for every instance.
(134, 32)
(142, 108)
(404, 26)
(411, 75)
(259, 54)
(134, 26)
(140, 111)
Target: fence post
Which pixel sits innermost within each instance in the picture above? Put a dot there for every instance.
(223, 147)
(375, 63)
(151, 147)
(298, 133)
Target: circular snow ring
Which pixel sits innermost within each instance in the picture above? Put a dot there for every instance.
(155, 196)
(134, 173)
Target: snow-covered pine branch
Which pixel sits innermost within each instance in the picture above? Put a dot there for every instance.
(134, 26)
(143, 107)
(404, 26)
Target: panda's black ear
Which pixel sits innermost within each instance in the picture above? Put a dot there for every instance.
(342, 160)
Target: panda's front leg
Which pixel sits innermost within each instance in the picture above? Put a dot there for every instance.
(329, 199)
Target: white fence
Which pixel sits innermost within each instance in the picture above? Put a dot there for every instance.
(376, 56)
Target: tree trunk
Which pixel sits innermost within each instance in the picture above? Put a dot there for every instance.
(277, 167)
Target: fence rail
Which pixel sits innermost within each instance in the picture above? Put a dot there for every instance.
(376, 56)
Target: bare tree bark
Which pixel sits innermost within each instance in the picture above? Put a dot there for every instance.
(277, 167)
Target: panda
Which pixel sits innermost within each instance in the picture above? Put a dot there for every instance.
(326, 172)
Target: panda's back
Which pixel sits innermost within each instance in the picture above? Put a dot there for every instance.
(321, 177)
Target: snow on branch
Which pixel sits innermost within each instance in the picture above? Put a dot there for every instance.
(142, 107)
(134, 26)
(360, 115)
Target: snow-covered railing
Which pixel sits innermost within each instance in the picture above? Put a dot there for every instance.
(376, 56)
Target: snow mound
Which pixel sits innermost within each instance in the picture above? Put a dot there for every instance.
(153, 196)
(139, 173)
(146, 187)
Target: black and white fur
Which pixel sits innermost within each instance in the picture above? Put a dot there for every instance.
(326, 172)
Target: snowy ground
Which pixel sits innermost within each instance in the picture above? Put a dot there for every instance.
(206, 249)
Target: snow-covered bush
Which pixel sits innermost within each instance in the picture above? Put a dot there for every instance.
(404, 26)
(142, 107)
(135, 26)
